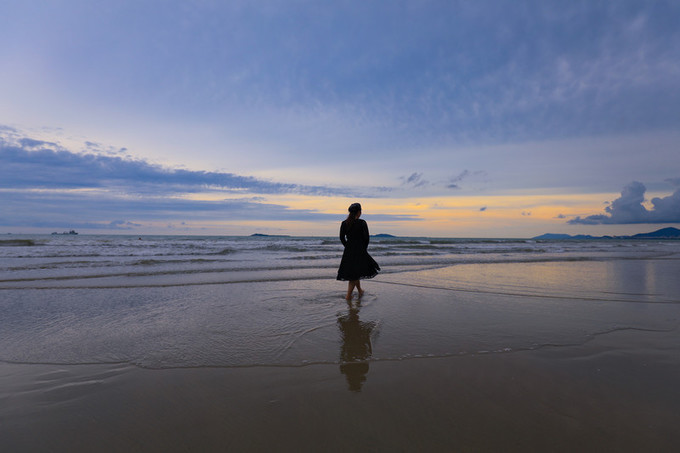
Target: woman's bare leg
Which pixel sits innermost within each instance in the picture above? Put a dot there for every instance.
(361, 291)
(350, 287)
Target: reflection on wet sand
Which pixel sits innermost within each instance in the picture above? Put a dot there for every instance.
(355, 349)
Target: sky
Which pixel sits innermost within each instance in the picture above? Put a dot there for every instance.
(443, 118)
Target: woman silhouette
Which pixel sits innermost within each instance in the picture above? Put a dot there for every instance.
(356, 263)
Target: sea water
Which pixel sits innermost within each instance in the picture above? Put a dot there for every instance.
(75, 261)
(188, 301)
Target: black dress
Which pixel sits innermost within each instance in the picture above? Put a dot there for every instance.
(356, 262)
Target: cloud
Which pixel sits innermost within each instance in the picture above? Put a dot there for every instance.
(95, 212)
(102, 210)
(44, 185)
(453, 182)
(415, 180)
(483, 208)
(629, 208)
(31, 143)
(122, 224)
(36, 164)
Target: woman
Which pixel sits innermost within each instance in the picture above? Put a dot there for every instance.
(356, 262)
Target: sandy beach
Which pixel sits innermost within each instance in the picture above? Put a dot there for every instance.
(554, 356)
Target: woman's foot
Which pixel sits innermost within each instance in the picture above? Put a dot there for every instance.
(361, 293)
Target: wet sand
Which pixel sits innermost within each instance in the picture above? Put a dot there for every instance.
(616, 393)
(592, 382)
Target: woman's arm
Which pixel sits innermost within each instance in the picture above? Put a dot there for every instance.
(342, 234)
(367, 237)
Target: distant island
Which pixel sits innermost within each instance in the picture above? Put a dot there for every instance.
(260, 235)
(65, 233)
(383, 235)
(664, 233)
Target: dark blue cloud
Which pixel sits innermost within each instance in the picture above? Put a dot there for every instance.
(96, 211)
(453, 182)
(32, 143)
(628, 209)
(37, 164)
(414, 180)
(37, 179)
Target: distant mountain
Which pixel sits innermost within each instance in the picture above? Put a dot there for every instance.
(552, 236)
(664, 233)
(383, 235)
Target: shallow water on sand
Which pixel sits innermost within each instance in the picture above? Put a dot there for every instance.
(456, 310)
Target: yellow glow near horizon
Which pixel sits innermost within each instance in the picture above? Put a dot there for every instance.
(449, 215)
(510, 215)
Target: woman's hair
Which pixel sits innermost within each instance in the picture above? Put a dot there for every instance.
(351, 217)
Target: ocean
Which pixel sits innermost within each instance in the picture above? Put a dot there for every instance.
(99, 261)
(191, 301)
